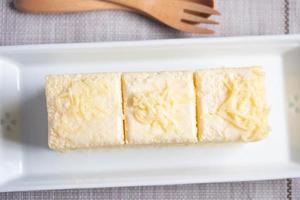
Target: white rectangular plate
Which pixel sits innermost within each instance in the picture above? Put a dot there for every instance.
(26, 163)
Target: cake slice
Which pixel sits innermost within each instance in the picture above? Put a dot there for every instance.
(159, 108)
(84, 111)
(231, 105)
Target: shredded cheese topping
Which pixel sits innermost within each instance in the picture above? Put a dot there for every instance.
(245, 107)
(157, 108)
(82, 101)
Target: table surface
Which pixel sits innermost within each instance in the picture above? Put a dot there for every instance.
(242, 17)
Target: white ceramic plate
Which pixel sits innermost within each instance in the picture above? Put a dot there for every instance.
(26, 163)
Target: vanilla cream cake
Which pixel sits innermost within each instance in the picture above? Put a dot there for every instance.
(84, 111)
(231, 105)
(159, 108)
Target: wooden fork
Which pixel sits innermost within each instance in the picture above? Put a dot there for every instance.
(56, 6)
(182, 18)
(179, 14)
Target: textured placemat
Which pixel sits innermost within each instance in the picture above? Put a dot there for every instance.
(240, 17)
(251, 190)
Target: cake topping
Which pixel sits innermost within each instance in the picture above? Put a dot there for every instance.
(245, 106)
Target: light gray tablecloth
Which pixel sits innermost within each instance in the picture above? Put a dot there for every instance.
(239, 17)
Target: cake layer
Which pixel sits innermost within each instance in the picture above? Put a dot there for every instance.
(84, 110)
(226, 105)
(231, 105)
(159, 108)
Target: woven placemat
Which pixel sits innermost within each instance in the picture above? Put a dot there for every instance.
(240, 17)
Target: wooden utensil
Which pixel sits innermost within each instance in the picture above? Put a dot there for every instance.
(57, 6)
(49, 6)
(190, 16)
(177, 14)
(53, 6)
